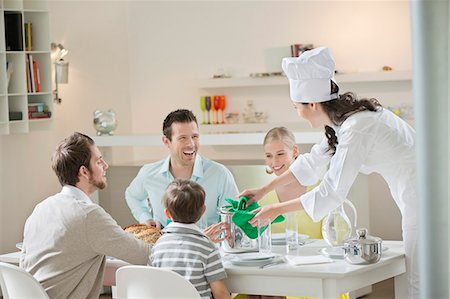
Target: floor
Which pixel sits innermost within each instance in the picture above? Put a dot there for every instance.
(381, 290)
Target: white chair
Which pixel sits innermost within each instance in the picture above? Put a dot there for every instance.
(150, 282)
(17, 283)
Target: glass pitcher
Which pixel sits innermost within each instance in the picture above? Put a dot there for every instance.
(336, 226)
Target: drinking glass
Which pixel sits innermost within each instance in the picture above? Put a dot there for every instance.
(264, 236)
(291, 231)
(223, 104)
(203, 222)
(216, 109)
(203, 109)
(208, 107)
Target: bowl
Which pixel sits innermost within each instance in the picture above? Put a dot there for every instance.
(364, 249)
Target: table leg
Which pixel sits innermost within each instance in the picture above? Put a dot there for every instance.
(329, 290)
(400, 286)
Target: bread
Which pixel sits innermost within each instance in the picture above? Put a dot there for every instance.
(148, 234)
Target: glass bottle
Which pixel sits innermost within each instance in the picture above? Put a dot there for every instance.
(336, 226)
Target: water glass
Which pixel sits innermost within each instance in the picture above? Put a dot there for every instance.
(202, 223)
(291, 231)
(264, 236)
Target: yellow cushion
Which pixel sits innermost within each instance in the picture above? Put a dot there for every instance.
(305, 224)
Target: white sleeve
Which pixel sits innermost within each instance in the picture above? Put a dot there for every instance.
(345, 164)
(310, 168)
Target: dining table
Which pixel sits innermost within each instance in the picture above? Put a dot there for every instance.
(320, 280)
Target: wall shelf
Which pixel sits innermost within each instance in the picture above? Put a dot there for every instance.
(283, 81)
(206, 139)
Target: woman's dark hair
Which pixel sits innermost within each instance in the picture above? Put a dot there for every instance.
(340, 109)
(72, 153)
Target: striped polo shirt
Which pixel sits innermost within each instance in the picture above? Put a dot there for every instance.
(184, 248)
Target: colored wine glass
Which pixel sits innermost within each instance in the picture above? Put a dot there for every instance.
(217, 109)
(213, 113)
(203, 109)
(208, 107)
(223, 105)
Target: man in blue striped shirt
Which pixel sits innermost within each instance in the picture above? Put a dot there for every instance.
(184, 248)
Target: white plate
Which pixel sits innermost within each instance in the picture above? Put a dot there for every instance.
(251, 263)
(338, 252)
(333, 252)
(254, 256)
(253, 259)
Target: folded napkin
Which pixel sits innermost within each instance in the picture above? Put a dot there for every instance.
(307, 260)
(243, 214)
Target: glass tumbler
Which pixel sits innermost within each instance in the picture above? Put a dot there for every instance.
(264, 236)
(291, 231)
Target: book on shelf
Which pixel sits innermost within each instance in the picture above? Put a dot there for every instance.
(13, 31)
(15, 115)
(9, 71)
(38, 115)
(27, 70)
(33, 76)
(37, 80)
(31, 69)
(37, 107)
(28, 37)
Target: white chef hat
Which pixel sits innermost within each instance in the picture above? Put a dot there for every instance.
(310, 76)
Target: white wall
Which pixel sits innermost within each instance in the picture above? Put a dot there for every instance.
(175, 44)
(95, 34)
(144, 59)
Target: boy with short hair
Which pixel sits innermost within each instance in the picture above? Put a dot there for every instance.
(183, 247)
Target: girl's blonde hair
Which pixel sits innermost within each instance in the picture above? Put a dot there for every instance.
(280, 134)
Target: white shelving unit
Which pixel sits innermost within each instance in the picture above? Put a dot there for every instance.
(281, 80)
(14, 96)
(206, 139)
(253, 133)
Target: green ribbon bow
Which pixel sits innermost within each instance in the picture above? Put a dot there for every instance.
(243, 213)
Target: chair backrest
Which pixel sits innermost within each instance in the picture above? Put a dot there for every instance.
(17, 283)
(150, 282)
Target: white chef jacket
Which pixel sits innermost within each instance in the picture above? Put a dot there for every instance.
(368, 142)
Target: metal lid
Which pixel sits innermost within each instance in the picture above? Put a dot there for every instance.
(362, 238)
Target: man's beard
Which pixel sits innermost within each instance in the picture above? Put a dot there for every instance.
(99, 184)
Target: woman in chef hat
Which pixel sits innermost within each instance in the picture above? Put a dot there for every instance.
(360, 136)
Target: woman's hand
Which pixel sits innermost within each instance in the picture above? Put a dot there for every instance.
(218, 232)
(267, 212)
(252, 194)
(273, 211)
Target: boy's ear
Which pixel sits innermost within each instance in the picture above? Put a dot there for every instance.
(166, 211)
(204, 209)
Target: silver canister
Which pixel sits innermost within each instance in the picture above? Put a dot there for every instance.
(364, 249)
(238, 241)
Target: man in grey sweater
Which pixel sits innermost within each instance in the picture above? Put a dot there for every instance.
(67, 236)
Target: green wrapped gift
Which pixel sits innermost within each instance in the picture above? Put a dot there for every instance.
(242, 214)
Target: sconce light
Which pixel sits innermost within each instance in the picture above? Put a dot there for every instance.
(61, 68)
